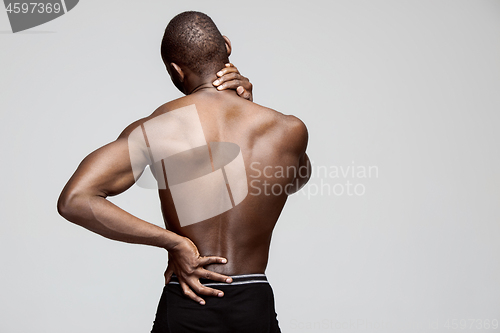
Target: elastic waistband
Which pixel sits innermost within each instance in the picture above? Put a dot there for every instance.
(237, 280)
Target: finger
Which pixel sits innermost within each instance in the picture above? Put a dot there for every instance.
(212, 260)
(232, 79)
(206, 274)
(203, 290)
(229, 85)
(245, 83)
(244, 93)
(226, 70)
(229, 64)
(195, 285)
(227, 77)
(189, 293)
(168, 274)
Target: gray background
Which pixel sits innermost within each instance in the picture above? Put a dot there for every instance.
(411, 87)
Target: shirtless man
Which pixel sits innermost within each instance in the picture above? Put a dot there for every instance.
(231, 246)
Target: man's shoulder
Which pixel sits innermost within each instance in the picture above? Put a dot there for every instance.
(162, 109)
(288, 130)
(290, 124)
(174, 104)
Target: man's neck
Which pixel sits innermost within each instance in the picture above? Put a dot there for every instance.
(196, 83)
(207, 85)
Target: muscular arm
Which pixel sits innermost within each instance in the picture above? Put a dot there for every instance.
(107, 171)
(299, 138)
(304, 172)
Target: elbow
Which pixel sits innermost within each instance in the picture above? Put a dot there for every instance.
(67, 204)
(63, 206)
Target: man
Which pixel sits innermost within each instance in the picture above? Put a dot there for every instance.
(224, 168)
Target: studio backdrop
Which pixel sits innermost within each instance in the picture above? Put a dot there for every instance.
(397, 231)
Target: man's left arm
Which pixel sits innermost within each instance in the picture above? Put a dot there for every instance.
(107, 172)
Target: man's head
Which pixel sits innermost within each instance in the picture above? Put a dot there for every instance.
(193, 48)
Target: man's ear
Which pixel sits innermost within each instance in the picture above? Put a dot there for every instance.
(228, 45)
(178, 71)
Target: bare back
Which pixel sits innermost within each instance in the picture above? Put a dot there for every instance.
(272, 145)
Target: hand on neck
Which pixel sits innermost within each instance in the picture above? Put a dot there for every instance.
(190, 82)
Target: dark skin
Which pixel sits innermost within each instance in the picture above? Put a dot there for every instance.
(238, 238)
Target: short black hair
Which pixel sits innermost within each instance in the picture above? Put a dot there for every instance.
(192, 39)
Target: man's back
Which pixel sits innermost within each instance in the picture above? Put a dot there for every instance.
(271, 145)
(224, 167)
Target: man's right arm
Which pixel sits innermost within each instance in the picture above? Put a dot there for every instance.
(299, 137)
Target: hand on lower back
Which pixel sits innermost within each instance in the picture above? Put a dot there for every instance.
(185, 261)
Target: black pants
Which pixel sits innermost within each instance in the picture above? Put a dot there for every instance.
(247, 306)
